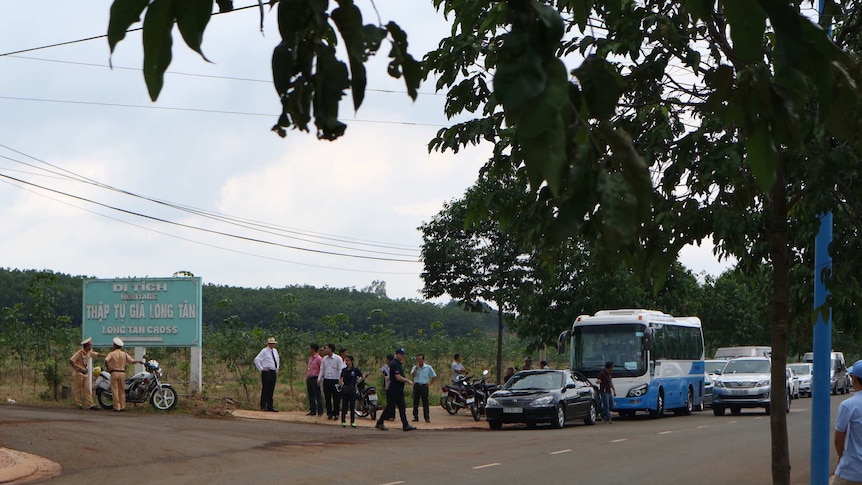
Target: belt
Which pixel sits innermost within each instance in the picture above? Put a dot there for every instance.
(418, 384)
(117, 370)
(312, 377)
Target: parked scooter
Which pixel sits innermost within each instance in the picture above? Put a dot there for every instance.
(366, 400)
(457, 396)
(481, 391)
(140, 388)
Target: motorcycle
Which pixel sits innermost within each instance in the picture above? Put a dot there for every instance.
(481, 391)
(366, 400)
(140, 388)
(457, 396)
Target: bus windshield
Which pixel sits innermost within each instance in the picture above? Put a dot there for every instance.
(621, 344)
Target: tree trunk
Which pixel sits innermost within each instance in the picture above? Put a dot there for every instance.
(499, 344)
(780, 254)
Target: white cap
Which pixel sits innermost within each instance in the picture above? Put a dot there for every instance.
(86, 341)
(118, 342)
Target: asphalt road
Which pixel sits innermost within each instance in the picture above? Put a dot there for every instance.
(149, 447)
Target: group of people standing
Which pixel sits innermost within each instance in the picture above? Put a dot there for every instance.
(115, 364)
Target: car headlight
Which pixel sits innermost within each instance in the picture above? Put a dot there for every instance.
(719, 384)
(762, 383)
(638, 391)
(492, 402)
(543, 401)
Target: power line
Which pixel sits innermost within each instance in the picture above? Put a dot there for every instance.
(222, 248)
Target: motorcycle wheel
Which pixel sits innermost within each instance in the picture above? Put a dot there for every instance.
(360, 407)
(451, 406)
(164, 398)
(105, 399)
(474, 410)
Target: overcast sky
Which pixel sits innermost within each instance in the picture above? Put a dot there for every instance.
(68, 124)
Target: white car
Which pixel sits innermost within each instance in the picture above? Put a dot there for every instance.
(803, 371)
(744, 383)
(792, 383)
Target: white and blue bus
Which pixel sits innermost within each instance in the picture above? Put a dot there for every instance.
(657, 358)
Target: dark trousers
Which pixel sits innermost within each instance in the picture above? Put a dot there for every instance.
(394, 398)
(267, 388)
(331, 396)
(315, 400)
(348, 401)
(420, 393)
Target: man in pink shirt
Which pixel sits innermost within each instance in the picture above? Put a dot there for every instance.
(315, 400)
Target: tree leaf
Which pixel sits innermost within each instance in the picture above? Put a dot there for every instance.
(762, 157)
(403, 64)
(157, 44)
(192, 18)
(123, 14)
(747, 24)
(601, 85)
(348, 20)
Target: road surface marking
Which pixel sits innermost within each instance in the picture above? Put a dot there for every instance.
(561, 451)
(392, 483)
(665, 432)
(703, 426)
(619, 440)
(485, 466)
(732, 422)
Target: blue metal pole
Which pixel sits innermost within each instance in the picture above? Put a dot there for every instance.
(820, 385)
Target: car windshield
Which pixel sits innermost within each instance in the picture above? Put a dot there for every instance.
(544, 381)
(801, 369)
(714, 366)
(747, 367)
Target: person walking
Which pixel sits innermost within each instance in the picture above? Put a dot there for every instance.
(423, 376)
(82, 391)
(607, 391)
(848, 433)
(457, 368)
(267, 362)
(350, 377)
(116, 362)
(395, 394)
(315, 399)
(330, 372)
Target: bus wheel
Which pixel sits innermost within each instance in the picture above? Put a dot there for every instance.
(659, 410)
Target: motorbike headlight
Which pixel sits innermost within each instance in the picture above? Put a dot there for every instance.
(492, 402)
(638, 391)
(542, 401)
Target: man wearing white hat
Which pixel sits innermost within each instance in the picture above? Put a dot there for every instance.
(80, 360)
(116, 363)
(267, 363)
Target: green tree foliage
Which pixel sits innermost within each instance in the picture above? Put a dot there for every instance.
(308, 75)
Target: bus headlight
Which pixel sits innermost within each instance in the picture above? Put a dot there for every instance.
(638, 391)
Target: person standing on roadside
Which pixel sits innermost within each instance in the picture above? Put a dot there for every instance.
(116, 362)
(395, 394)
(385, 371)
(457, 368)
(82, 392)
(528, 363)
(315, 399)
(267, 363)
(607, 391)
(848, 433)
(423, 376)
(510, 371)
(330, 372)
(350, 377)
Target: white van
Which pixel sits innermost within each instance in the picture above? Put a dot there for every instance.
(839, 380)
(727, 353)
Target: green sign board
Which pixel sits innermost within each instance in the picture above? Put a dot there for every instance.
(146, 312)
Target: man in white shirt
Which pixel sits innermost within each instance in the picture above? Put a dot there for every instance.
(267, 363)
(457, 368)
(330, 372)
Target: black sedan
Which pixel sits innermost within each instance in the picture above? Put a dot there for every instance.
(543, 396)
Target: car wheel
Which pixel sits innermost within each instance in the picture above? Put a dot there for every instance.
(767, 409)
(735, 410)
(531, 425)
(659, 411)
(718, 410)
(559, 418)
(495, 424)
(787, 405)
(592, 414)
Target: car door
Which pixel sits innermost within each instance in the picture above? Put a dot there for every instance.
(580, 394)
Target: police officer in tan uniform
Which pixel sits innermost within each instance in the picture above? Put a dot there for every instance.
(81, 390)
(116, 363)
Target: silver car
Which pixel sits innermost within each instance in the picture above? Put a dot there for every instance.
(803, 372)
(744, 383)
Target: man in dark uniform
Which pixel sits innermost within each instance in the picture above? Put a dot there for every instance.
(395, 393)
